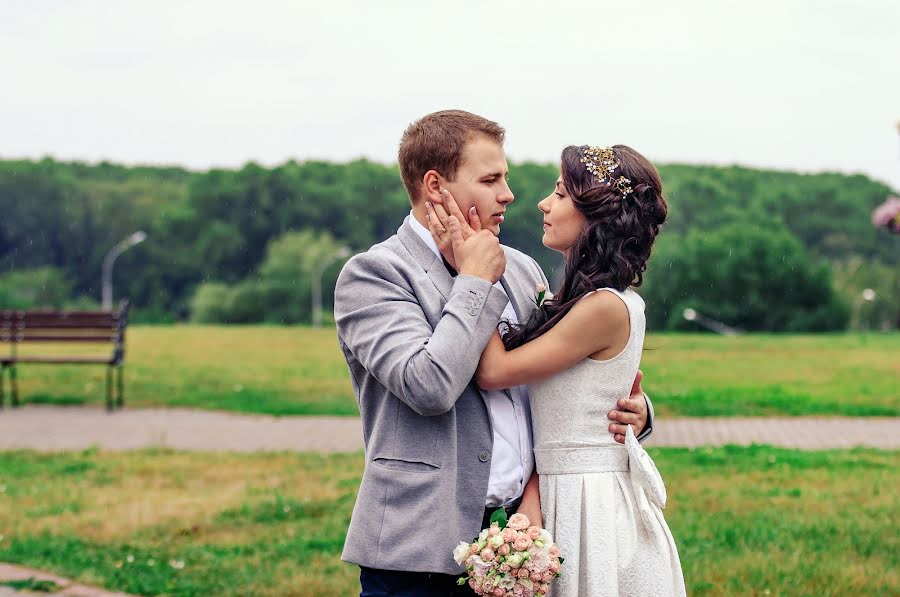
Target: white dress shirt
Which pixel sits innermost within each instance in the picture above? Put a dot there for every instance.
(511, 457)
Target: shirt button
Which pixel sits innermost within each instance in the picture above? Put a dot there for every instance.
(484, 456)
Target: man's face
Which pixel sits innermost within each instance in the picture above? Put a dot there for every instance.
(481, 181)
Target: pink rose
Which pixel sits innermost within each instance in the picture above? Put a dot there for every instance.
(522, 543)
(504, 568)
(487, 554)
(534, 532)
(523, 573)
(504, 549)
(498, 592)
(554, 566)
(547, 576)
(554, 551)
(518, 522)
(536, 577)
(509, 535)
(473, 549)
(494, 530)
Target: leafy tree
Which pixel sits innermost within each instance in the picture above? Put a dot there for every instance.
(757, 278)
(280, 292)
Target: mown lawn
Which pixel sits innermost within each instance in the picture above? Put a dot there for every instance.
(298, 371)
(748, 521)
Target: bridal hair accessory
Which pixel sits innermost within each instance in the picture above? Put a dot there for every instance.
(601, 162)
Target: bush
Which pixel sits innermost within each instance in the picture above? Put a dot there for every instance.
(210, 303)
(281, 291)
(39, 288)
(753, 278)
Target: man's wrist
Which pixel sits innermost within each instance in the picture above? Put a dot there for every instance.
(648, 426)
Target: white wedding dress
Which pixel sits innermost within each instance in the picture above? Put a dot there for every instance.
(602, 501)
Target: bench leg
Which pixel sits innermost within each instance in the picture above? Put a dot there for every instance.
(120, 371)
(109, 398)
(14, 384)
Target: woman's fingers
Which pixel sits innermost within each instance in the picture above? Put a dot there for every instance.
(455, 230)
(440, 212)
(474, 220)
(469, 222)
(437, 229)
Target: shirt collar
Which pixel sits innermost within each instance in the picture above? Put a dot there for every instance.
(424, 234)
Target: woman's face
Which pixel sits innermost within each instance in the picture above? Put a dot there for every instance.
(562, 220)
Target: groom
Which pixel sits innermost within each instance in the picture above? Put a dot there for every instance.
(441, 454)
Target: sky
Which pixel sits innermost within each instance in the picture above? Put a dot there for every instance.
(791, 84)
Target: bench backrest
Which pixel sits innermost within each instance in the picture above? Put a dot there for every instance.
(65, 327)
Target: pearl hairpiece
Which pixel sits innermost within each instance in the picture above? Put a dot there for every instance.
(601, 162)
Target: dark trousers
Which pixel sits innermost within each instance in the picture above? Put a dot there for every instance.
(396, 583)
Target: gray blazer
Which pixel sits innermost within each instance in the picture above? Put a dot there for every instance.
(412, 336)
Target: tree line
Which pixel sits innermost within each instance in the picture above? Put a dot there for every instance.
(755, 249)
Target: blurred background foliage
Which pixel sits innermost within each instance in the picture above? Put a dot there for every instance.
(755, 249)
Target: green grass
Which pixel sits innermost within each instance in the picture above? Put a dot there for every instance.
(300, 371)
(747, 521)
(32, 584)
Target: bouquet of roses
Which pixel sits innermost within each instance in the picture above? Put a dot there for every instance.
(511, 558)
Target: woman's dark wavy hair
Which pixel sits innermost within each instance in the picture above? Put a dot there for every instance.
(613, 249)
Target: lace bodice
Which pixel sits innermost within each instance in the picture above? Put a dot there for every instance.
(570, 409)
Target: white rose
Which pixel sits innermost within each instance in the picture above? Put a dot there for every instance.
(483, 535)
(514, 560)
(496, 540)
(507, 583)
(540, 561)
(461, 553)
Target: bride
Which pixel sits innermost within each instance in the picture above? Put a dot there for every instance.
(579, 351)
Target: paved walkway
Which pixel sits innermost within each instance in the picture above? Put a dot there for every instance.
(53, 428)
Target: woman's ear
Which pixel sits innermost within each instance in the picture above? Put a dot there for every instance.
(433, 182)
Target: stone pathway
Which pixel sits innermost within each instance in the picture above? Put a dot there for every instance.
(53, 428)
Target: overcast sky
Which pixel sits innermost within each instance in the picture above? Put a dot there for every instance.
(799, 85)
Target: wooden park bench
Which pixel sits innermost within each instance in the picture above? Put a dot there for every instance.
(64, 327)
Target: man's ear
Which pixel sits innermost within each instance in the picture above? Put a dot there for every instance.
(432, 183)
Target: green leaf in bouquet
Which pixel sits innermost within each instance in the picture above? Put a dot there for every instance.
(499, 516)
(462, 580)
(561, 559)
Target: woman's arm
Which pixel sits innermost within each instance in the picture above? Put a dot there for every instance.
(531, 501)
(595, 323)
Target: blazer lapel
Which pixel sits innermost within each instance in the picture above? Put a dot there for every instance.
(514, 298)
(424, 256)
(440, 277)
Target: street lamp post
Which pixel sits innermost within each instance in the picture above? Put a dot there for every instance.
(710, 324)
(317, 274)
(124, 245)
(868, 296)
